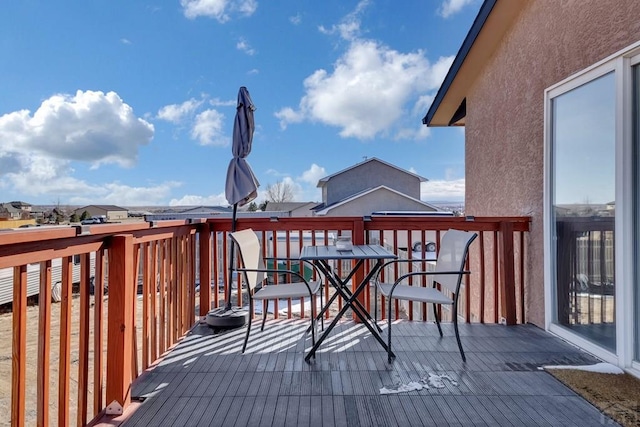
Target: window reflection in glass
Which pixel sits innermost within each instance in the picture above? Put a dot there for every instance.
(583, 174)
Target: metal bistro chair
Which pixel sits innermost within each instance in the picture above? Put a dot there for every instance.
(255, 276)
(448, 272)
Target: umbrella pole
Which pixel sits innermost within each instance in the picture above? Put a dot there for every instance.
(232, 258)
(227, 318)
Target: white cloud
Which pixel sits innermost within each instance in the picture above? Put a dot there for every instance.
(218, 9)
(367, 92)
(288, 115)
(40, 176)
(451, 7)
(349, 27)
(125, 41)
(295, 20)
(90, 126)
(207, 128)
(442, 190)
(313, 174)
(175, 113)
(192, 200)
(217, 102)
(372, 90)
(304, 186)
(124, 195)
(245, 47)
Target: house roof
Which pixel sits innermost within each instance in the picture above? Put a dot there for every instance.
(198, 209)
(10, 208)
(289, 206)
(324, 209)
(494, 19)
(322, 182)
(103, 207)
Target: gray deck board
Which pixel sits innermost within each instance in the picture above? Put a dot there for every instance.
(206, 380)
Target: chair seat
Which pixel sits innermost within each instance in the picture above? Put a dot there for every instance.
(287, 290)
(415, 293)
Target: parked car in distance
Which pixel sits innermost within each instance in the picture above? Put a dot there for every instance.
(90, 221)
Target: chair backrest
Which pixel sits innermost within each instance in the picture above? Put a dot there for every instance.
(454, 248)
(251, 255)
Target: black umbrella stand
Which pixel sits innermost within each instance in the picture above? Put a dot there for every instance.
(229, 317)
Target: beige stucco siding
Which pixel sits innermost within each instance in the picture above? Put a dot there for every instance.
(550, 40)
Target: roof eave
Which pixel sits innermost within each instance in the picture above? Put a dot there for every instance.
(490, 25)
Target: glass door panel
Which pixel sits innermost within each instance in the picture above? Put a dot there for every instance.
(583, 185)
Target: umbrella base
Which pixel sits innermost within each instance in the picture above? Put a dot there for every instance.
(221, 318)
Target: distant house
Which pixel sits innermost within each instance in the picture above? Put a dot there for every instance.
(15, 210)
(548, 93)
(205, 210)
(370, 186)
(23, 206)
(294, 209)
(110, 212)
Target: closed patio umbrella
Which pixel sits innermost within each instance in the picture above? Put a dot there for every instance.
(241, 188)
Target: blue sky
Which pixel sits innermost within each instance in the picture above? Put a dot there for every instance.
(132, 102)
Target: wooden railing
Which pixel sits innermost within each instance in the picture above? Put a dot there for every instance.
(137, 295)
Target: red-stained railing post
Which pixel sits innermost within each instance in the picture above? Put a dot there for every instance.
(120, 322)
(205, 269)
(507, 273)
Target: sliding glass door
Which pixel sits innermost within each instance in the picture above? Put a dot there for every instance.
(583, 183)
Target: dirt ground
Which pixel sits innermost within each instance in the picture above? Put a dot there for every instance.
(6, 319)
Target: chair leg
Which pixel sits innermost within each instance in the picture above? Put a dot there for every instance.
(375, 303)
(435, 314)
(321, 305)
(246, 337)
(313, 324)
(455, 328)
(265, 304)
(389, 353)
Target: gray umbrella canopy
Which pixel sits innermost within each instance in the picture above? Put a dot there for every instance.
(242, 185)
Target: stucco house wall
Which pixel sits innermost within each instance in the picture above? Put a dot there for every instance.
(549, 41)
(369, 174)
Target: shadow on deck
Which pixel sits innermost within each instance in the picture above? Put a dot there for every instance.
(205, 380)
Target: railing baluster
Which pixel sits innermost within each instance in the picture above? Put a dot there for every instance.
(19, 356)
(44, 342)
(205, 270)
(83, 355)
(98, 335)
(146, 299)
(65, 342)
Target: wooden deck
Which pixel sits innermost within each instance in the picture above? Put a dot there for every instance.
(206, 381)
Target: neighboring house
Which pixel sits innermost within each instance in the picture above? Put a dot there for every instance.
(23, 206)
(9, 212)
(548, 92)
(369, 186)
(294, 209)
(110, 212)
